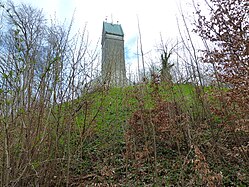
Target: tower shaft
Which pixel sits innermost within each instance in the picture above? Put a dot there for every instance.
(113, 61)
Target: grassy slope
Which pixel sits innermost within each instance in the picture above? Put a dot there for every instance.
(108, 120)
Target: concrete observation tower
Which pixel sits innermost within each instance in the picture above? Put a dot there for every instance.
(113, 60)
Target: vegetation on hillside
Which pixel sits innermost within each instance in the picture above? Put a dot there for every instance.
(59, 128)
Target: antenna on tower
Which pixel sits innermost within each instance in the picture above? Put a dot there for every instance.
(106, 18)
(112, 18)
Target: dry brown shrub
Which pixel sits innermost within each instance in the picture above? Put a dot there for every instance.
(203, 171)
(166, 120)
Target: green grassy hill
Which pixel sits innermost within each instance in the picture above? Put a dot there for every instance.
(155, 134)
(149, 134)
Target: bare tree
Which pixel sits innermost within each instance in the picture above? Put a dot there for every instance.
(166, 66)
(43, 66)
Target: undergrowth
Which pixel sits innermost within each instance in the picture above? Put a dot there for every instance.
(149, 134)
(161, 134)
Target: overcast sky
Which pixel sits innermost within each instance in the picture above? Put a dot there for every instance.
(156, 17)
